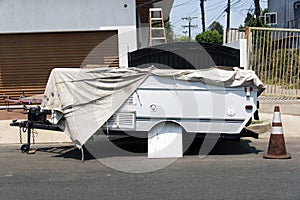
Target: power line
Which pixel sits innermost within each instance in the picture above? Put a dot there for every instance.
(182, 4)
(216, 10)
(235, 3)
(195, 10)
(214, 6)
(242, 4)
(219, 15)
(176, 22)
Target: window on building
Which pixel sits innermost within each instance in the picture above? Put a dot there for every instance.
(271, 18)
(297, 11)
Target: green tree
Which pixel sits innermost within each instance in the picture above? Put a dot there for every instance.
(182, 39)
(169, 31)
(253, 21)
(210, 36)
(216, 26)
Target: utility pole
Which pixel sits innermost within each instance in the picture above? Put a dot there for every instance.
(189, 19)
(257, 9)
(202, 15)
(228, 21)
(228, 14)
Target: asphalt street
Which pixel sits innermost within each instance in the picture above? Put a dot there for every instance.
(232, 170)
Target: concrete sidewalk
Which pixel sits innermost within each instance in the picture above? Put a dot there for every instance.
(11, 135)
(290, 115)
(287, 107)
(289, 122)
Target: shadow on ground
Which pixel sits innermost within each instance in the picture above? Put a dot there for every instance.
(224, 148)
(127, 147)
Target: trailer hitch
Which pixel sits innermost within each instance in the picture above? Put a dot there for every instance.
(36, 119)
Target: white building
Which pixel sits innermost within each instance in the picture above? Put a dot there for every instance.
(38, 35)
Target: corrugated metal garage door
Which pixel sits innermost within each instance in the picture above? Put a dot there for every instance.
(26, 59)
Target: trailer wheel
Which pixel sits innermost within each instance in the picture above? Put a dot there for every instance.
(25, 148)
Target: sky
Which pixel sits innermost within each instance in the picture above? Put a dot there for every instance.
(214, 11)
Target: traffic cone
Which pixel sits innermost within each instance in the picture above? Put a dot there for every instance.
(276, 149)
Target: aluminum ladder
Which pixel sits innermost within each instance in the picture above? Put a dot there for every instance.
(157, 33)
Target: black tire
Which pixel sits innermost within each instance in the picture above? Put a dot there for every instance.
(25, 148)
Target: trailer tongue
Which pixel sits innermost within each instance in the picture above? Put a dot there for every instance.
(164, 104)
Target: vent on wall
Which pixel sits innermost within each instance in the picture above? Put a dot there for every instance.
(122, 120)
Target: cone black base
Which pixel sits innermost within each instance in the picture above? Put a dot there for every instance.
(268, 156)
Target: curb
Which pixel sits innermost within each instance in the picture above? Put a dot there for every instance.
(260, 128)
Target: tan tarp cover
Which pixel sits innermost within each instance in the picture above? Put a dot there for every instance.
(87, 98)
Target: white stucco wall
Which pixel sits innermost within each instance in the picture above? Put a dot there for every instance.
(72, 15)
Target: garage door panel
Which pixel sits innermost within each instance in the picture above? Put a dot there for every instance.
(26, 60)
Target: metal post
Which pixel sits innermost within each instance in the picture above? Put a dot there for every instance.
(28, 133)
(247, 36)
(227, 35)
